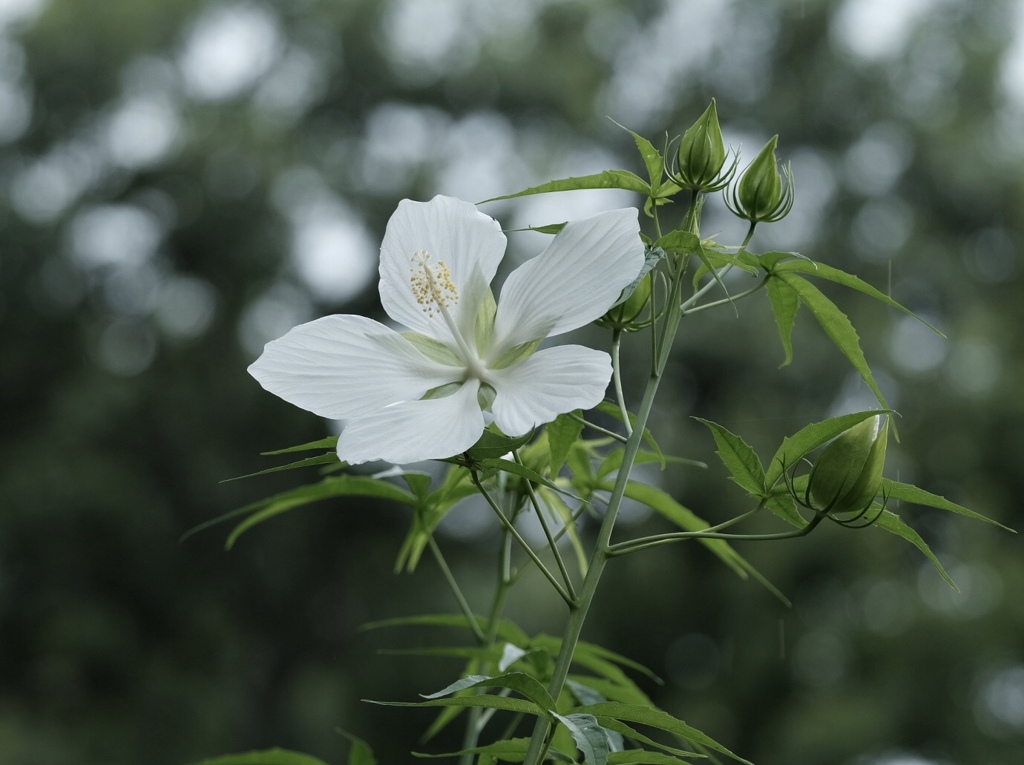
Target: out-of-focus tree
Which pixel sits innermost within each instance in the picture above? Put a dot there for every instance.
(183, 181)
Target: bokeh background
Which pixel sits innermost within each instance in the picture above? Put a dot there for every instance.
(181, 181)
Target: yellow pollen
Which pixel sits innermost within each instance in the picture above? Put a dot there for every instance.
(432, 285)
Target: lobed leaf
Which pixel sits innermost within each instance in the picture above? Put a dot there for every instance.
(906, 492)
(655, 718)
(836, 325)
(785, 304)
(892, 523)
(738, 458)
(607, 179)
(268, 757)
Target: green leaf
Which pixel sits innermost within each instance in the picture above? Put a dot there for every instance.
(837, 326)
(680, 241)
(484, 700)
(337, 486)
(591, 739)
(493, 444)
(613, 461)
(652, 157)
(507, 630)
(785, 303)
(738, 458)
(892, 523)
(643, 757)
(822, 271)
(331, 442)
(562, 434)
(360, 753)
(655, 718)
(266, 757)
(611, 409)
(687, 520)
(634, 735)
(594, 690)
(320, 459)
(608, 179)
(523, 472)
(519, 682)
(906, 492)
(809, 438)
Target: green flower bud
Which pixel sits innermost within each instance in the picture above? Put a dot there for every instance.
(847, 476)
(702, 154)
(760, 194)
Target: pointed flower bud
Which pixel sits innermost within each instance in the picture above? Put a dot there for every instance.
(847, 476)
(760, 194)
(702, 155)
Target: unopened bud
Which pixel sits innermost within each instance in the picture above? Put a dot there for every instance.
(760, 194)
(848, 474)
(702, 154)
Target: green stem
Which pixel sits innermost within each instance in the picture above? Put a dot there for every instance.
(522, 542)
(617, 379)
(456, 591)
(598, 428)
(723, 301)
(578, 610)
(559, 561)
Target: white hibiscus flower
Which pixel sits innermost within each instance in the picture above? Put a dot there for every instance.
(466, 361)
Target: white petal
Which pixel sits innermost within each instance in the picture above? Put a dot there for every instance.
(574, 281)
(347, 366)
(415, 430)
(468, 242)
(548, 383)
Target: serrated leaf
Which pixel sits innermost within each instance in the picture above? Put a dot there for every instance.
(360, 752)
(484, 700)
(687, 520)
(656, 718)
(892, 523)
(809, 438)
(653, 160)
(331, 442)
(562, 434)
(519, 682)
(507, 630)
(642, 757)
(589, 736)
(785, 304)
(783, 506)
(337, 486)
(738, 458)
(266, 757)
(608, 179)
(679, 241)
(320, 459)
(823, 271)
(906, 492)
(837, 326)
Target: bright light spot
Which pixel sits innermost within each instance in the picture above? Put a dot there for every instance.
(334, 253)
(877, 160)
(142, 131)
(15, 111)
(399, 138)
(881, 228)
(479, 157)
(126, 348)
(12, 11)
(999, 705)
(44, 189)
(915, 347)
(228, 50)
(427, 39)
(132, 291)
(991, 255)
(292, 86)
(974, 367)
(815, 190)
(876, 30)
(1011, 74)
(185, 306)
(113, 236)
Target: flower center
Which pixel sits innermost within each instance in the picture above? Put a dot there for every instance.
(432, 285)
(434, 290)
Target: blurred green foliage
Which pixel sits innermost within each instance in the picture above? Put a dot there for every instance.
(183, 181)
